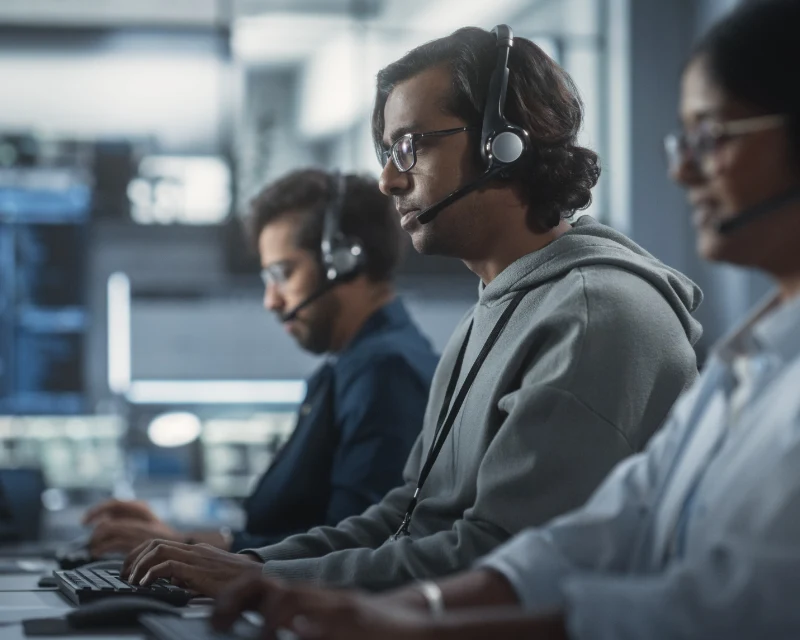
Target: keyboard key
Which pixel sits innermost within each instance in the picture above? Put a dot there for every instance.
(87, 585)
(95, 580)
(119, 585)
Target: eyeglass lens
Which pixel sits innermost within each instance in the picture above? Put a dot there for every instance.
(403, 153)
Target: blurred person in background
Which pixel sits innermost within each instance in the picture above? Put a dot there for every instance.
(577, 348)
(699, 537)
(364, 406)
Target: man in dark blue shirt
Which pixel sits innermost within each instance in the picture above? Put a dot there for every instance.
(329, 247)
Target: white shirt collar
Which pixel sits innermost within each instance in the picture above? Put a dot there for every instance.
(773, 329)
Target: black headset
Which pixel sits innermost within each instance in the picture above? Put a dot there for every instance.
(502, 143)
(342, 257)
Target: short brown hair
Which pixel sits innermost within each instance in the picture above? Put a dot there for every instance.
(367, 215)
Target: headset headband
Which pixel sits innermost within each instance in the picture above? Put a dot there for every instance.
(342, 257)
(502, 143)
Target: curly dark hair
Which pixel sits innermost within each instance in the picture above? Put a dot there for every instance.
(751, 52)
(367, 215)
(557, 175)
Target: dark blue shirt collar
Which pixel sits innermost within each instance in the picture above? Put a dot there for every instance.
(391, 315)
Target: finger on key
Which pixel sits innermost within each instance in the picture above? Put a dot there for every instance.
(162, 552)
(132, 557)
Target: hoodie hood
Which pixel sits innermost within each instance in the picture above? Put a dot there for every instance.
(590, 243)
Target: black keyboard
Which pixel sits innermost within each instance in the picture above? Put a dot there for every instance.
(171, 628)
(87, 585)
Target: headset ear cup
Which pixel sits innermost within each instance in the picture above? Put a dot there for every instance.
(507, 147)
(342, 257)
(346, 262)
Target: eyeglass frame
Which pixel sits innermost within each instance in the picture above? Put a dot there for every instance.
(678, 144)
(275, 273)
(386, 154)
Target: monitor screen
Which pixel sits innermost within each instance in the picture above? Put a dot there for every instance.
(21, 503)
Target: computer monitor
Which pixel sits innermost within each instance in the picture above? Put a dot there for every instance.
(21, 504)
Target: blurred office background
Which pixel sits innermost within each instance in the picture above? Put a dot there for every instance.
(133, 345)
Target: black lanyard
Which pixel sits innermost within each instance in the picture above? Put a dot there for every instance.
(448, 414)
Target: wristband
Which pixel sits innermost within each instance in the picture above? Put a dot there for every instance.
(433, 597)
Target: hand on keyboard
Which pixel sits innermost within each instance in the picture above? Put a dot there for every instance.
(200, 567)
(315, 612)
(122, 525)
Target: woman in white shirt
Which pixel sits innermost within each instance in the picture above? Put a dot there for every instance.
(698, 537)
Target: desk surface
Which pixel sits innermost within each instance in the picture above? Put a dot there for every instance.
(20, 600)
(16, 632)
(20, 596)
(25, 582)
(23, 604)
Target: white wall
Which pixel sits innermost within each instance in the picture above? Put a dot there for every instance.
(171, 87)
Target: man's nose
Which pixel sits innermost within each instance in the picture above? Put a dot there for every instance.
(273, 300)
(393, 182)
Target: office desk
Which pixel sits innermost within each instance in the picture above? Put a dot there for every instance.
(25, 603)
(20, 605)
(17, 633)
(24, 582)
(20, 596)
(20, 600)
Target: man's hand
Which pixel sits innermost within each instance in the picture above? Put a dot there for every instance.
(200, 567)
(311, 612)
(110, 536)
(119, 510)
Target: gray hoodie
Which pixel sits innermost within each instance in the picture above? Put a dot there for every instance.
(583, 374)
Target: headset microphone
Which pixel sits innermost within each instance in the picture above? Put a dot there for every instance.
(318, 293)
(426, 215)
(342, 257)
(502, 143)
(757, 211)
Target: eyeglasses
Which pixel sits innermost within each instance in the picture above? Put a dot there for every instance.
(698, 146)
(403, 151)
(277, 274)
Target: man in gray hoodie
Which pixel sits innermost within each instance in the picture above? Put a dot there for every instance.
(577, 348)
